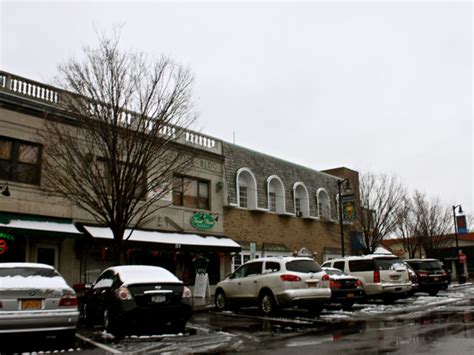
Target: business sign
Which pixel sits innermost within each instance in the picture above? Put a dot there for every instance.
(4, 238)
(348, 207)
(461, 224)
(203, 221)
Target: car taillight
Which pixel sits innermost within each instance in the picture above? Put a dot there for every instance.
(376, 276)
(334, 284)
(358, 283)
(68, 301)
(422, 274)
(123, 294)
(290, 278)
(325, 277)
(445, 273)
(187, 292)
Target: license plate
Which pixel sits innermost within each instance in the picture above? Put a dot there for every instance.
(436, 278)
(312, 284)
(158, 298)
(350, 295)
(31, 304)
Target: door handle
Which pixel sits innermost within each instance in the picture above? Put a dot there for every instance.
(239, 283)
(255, 281)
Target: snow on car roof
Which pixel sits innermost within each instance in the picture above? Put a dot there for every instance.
(136, 274)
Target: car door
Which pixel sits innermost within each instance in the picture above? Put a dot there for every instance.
(249, 283)
(232, 285)
(97, 296)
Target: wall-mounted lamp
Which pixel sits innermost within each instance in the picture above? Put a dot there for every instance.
(5, 191)
(219, 186)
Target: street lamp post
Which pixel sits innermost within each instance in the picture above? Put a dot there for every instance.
(339, 184)
(458, 264)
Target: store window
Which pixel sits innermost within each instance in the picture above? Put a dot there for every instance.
(46, 255)
(190, 192)
(20, 161)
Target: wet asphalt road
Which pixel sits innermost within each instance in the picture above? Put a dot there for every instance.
(418, 325)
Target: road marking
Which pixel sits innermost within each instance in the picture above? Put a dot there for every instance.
(99, 345)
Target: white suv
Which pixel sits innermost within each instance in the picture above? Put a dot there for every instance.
(383, 276)
(275, 282)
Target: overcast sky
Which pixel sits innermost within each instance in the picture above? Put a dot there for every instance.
(367, 85)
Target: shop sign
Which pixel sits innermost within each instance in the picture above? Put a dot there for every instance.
(348, 207)
(4, 237)
(203, 221)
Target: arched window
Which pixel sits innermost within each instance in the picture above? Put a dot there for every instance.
(324, 204)
(246, 189)
(276, 194)
(301, 199)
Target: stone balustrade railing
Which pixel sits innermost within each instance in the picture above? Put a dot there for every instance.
(50, 95)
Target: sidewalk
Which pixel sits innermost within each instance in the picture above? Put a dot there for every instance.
(203, 304)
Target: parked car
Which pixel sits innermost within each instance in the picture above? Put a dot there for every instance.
(275, 282)
(345, 289)
(431, 275)
(383, 276)
(34, 298)
(137, 298)
(413, 278)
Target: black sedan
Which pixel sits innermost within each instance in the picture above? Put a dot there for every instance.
(345, 289)
(137, 298)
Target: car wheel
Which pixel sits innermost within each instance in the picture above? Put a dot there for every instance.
(267, 303)
(433, 292)
(220, 301)
(179, 326)
(111, 325)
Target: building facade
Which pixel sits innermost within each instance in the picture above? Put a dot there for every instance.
(274, 207)
(37, 227)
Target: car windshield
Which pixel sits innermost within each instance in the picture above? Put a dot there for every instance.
(27, 272)
(389, 264)
(333, 272)
(303, 266)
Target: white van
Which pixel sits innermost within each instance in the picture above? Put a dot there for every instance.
(383, 276)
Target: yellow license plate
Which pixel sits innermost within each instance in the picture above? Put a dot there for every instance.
(349, 295)
(31, 304)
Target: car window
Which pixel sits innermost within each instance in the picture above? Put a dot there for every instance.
(361, 265)
(240, 272)
(339, 265)
(303, 266)
(326, 264)
(28, 271)
(105, 280)
(427, 265)
(389, 264)
(253, 269)
(271, 266)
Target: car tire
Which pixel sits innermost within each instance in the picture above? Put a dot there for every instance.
(179, 326)
(111, 324)
(267, 303)
(433, 292)
(220, 301)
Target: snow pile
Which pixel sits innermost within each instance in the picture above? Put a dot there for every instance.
(21, 282)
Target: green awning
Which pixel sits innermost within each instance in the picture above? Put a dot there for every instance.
(38, 225)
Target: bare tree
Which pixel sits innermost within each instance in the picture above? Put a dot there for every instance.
(434, 223)
(115, 152)
(383, 198)
(407, 227)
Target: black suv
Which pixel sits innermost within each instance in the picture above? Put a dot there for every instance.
(431, 275)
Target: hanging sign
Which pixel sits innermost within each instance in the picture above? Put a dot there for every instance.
(461, 224)
(348, 207)
(203, 221)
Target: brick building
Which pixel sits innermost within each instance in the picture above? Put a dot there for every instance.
(281, 207)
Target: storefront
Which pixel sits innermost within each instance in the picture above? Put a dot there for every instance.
(177, 252)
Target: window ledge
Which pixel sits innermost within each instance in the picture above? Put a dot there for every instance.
(310, 218)
(286, 214)
(258, 209)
